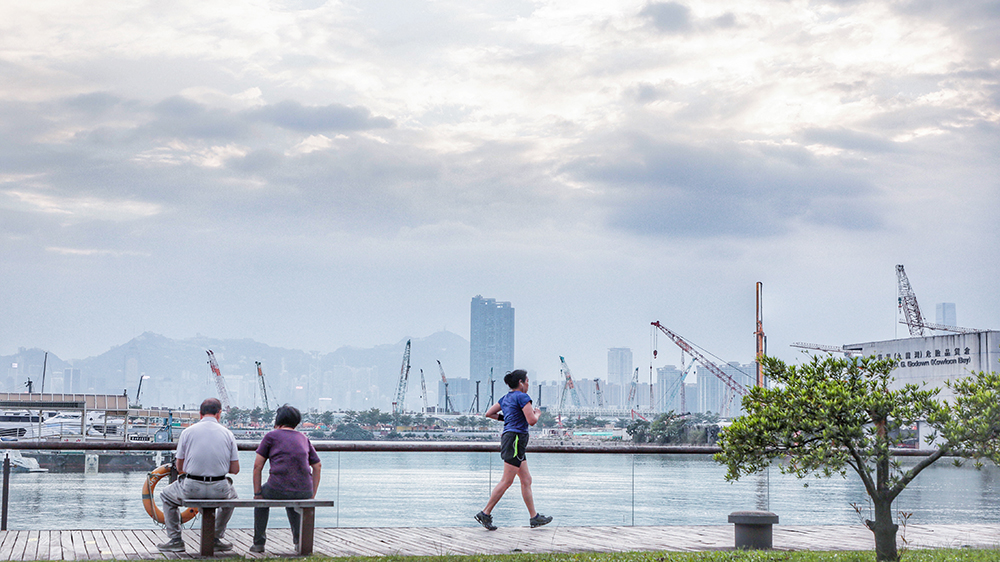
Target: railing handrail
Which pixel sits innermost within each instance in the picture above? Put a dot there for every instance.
(537, 446)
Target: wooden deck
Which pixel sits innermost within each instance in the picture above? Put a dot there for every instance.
(432, 541)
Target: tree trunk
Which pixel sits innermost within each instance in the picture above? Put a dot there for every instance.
(884, 530)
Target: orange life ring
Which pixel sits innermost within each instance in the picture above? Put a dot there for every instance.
(147, 496)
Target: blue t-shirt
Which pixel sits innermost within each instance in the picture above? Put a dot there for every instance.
(512, 404)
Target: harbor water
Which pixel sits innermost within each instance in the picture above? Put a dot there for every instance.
(419, 489)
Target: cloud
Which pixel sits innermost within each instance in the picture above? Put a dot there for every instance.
(664, 188)
(294, 116)
(668, 17)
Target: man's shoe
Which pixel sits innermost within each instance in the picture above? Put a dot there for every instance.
(486, 521)
(538, 520)
(219, 545)
(173, 545)
(258, 548)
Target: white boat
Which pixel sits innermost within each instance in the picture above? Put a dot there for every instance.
(21, 463)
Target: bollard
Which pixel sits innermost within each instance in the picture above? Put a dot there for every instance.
(753, 529)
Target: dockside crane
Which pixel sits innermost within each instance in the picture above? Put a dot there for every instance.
(568, 386)
(447, 399)
(910, 310)
(600, 393)
(220, 383)
(733, 388)
(423, 391)
(404, 375)
(263, 386)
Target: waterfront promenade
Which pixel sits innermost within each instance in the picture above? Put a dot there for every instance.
(433, 541)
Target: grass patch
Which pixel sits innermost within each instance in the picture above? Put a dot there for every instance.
(936, 555)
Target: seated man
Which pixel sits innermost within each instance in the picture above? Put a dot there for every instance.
(206, 452)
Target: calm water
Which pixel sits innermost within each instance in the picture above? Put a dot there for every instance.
(447, 489)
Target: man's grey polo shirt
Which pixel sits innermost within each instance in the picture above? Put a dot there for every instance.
(206, 448)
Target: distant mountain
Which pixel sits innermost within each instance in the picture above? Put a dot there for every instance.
(176, 372)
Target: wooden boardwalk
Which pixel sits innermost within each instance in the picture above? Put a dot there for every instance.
(433, 541)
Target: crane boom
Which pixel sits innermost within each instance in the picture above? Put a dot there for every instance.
(263, 387)
(423, 391)
(447, 399)
(633, 387)
(908, 303)
(600, 393)
(734, 388)
(404, 375)
(220, 383)
(568, 386)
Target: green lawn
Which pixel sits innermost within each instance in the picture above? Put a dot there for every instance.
(942, 555)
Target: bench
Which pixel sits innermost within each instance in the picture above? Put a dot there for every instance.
(306, 507)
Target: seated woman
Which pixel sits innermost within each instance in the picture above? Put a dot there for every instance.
(294, 473)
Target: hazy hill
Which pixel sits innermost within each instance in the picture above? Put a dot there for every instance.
(178, 372)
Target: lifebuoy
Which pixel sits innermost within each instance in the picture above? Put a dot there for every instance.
(147, 496)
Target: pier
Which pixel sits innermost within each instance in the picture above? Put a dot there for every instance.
(435, 541)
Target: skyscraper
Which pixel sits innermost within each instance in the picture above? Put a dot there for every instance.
(945, 314)
(620, 365)
(491, 340)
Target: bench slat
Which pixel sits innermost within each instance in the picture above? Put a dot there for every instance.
(257, 503)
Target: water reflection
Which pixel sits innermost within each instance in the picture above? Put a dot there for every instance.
(446, 489)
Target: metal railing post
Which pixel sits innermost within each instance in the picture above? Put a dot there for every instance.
(6, 491)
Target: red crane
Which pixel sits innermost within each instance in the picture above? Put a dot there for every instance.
(733, 388)
(220, 383)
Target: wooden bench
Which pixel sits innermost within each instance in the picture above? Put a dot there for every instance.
(306, 529)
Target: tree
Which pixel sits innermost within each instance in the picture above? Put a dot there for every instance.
(833, 415)
(351, 432)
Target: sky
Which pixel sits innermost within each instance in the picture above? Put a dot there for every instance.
(315, 174)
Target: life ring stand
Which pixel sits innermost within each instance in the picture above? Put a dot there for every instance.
(147, 496)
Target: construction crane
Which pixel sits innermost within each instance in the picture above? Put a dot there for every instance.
(447, 399)
(600, 393)
(263, 387)
(761, 339)
(677, 385)
(733, 388)
(220, 383)
(423, 391)
(404, 375)
(907, 300)
(632, 389)
(821, 347)
(568, 386)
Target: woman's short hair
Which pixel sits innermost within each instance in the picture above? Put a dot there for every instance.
(287, 416)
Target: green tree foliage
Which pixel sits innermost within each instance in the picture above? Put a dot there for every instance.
(351, 432)
(834, 416)
(546, 419)
(687, 429)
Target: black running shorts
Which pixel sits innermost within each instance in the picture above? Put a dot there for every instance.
(512, 447)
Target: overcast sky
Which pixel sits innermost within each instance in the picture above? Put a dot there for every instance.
(313, 174)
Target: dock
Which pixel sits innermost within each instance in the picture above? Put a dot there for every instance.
(436, 541)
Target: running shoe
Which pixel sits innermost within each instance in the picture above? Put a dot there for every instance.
(222, 545)
(486, 521)
(257, 548)
(538, 520)
(173, 545)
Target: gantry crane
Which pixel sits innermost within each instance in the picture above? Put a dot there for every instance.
(911, 310)
(568, 386)
(447, 399)
(733, 388)
(263, 386)
(220, 383)
(398, 406)
(423, 391)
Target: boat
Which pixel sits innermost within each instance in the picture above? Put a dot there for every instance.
(21, 463)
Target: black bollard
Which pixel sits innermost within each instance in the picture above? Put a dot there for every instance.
(6, 491)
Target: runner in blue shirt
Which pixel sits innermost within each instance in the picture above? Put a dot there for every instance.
(516, 412)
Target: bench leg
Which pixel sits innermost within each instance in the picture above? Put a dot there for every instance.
(306, 529)
(208, 531)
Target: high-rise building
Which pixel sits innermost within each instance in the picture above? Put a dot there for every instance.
(945, 314)
(620, 365)
(491, 339)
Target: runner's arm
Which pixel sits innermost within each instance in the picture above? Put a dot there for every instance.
(530, 413)
(493, 411)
